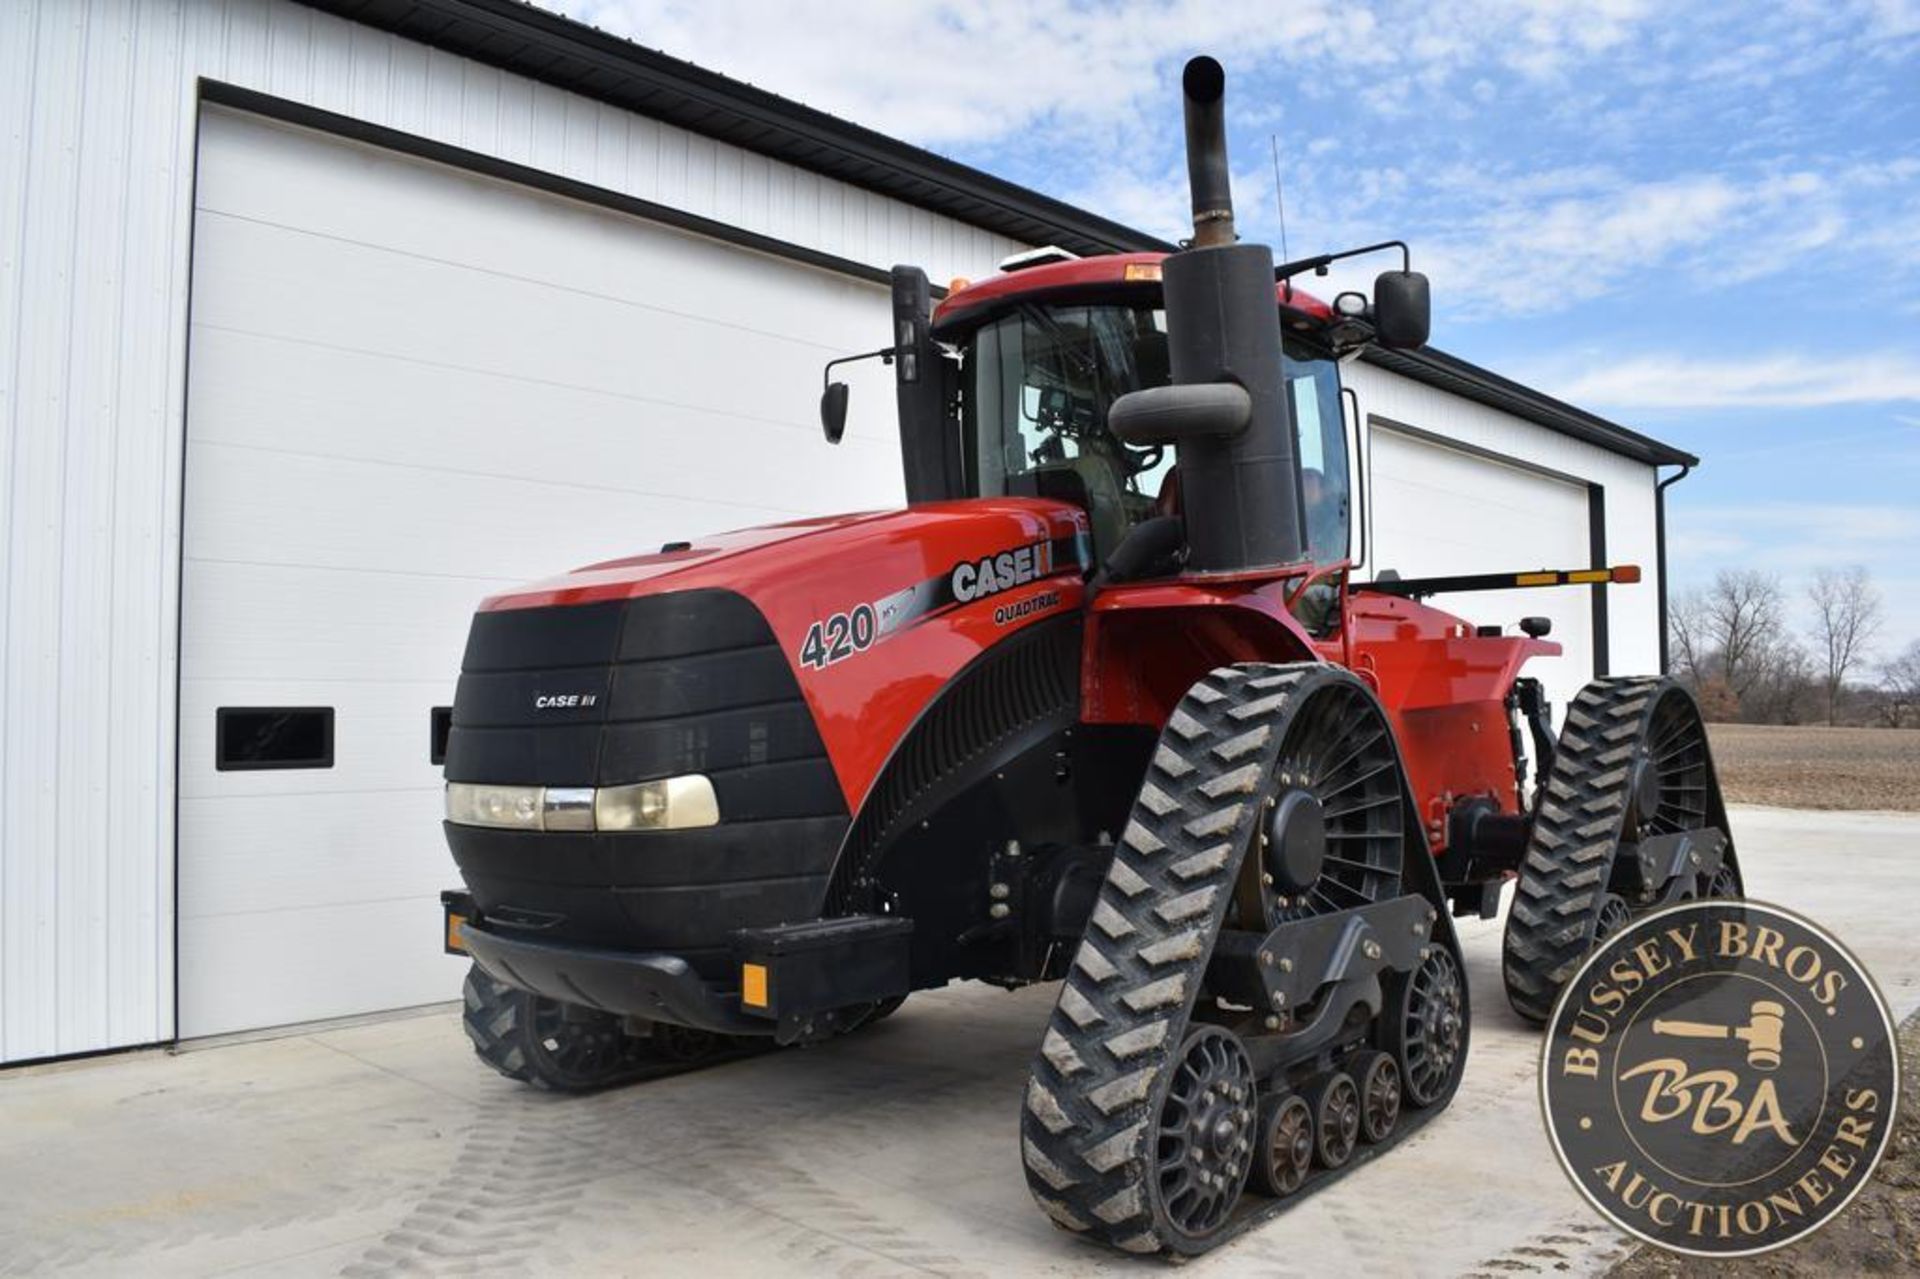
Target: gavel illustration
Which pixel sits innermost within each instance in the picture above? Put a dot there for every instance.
(1761, 1033)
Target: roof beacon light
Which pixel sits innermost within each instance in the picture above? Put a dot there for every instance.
(1046, 255)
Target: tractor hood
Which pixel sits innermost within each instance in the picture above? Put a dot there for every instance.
(872, 615)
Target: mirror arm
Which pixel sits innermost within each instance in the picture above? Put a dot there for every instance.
(885, 353)
(1322, 261)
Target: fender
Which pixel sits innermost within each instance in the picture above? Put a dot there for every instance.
(1148, 642)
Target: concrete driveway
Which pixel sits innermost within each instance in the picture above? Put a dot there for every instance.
(384, 1147)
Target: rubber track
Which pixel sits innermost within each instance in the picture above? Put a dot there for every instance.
(1088, 1119)
(1576, 832)
(491, 1016)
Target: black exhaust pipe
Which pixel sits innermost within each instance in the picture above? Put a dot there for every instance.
(1205, 85)
(1241, 492)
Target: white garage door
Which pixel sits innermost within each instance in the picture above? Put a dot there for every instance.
(1439, 510)
(410, 386)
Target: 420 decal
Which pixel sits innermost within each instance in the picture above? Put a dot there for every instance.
(840, 636)
(836, 638)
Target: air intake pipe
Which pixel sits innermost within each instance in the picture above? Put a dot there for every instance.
(1240, 490)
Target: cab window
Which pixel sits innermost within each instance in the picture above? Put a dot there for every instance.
(1313, 397)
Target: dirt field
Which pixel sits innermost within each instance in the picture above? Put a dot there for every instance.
(1818, 767)
(1877, 1234)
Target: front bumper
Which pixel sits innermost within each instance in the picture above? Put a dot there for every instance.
(657, 987)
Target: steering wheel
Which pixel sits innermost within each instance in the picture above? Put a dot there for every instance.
(1140, 460)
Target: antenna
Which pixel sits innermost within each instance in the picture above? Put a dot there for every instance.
(1279, 196)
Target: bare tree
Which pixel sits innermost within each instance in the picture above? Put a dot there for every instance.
(1846, 613)
(1740, 620)
(1782, 687)
(1901, 678)
(1687, 647)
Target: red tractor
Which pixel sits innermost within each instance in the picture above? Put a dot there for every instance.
(1104, 706)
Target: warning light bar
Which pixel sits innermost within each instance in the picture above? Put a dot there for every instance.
(1419, 587)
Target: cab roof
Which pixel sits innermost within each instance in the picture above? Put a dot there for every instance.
(1120, 272)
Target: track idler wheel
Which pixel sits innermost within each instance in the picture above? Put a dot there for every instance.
(1285, 1146)
(1335, 1102)
(1205, 1134)
(1632, 769)
(1378, 1078)
(1426, 1027)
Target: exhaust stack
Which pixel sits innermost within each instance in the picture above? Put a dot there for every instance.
(1204, 83)
(1240, 491)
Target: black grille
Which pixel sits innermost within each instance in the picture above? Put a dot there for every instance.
(629, 690)
(1028, 680)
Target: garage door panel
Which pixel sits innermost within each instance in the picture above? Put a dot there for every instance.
(241, 972)
(287, 177)
(269, 393)
(281, 508)
(408, 389)
(328, 625)
(369, 846)
(297, 287)
(1438, 510)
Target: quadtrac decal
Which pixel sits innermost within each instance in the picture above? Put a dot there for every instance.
(839, 636)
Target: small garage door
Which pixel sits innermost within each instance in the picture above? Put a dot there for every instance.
(1444, 510)
(411, 386)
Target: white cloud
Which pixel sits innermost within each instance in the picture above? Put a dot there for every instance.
(1895, 19)
(1783, 380)
(950, 72)
(1531, 243)
(1079, 99)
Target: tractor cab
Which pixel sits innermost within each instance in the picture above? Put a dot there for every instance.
(1040, 354)
(1005, 390)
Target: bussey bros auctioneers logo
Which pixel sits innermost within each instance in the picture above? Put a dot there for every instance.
(1720, 1078)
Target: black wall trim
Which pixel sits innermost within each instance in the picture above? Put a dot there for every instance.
(1660, 557)
(1597, 558)
(227, 95)
(1596, 516)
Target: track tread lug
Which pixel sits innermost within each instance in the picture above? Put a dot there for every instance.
(1576, 835)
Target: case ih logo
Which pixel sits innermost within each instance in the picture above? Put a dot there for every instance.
(1720, 1078)
(564, 701)
(976, 579)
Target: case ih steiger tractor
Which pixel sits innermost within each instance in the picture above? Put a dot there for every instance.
(1103, 706)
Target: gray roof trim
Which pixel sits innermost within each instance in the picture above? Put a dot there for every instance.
(544, 46)
(1453, 374)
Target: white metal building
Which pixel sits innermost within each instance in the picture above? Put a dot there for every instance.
(317, 323)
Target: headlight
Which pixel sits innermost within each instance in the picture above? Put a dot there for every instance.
(676, 803)
(672, 803)
(512, 807)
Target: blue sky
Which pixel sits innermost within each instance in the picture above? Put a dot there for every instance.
(1701, 220)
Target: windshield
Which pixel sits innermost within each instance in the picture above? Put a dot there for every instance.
(1037, 384)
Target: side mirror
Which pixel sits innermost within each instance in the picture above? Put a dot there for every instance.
(1402, 310)
(1184, 411)
(833, 411)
